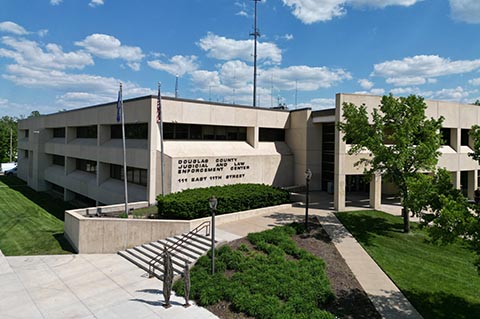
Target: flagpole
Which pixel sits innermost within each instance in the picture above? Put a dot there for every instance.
(160, 119)
(120, 101)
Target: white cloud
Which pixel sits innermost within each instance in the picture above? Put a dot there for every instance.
(103, 88)
(55, 2)
(288, 36)
(242, 13)
(303, 78)
(95, 3)
(416, 70)
(178, 64)
(318, 104)
(466, 10)
(12, 27)
(365, 84)
(108, 47)
(222, 48)
(406, 80)
(455, 94)
(311, 11)
(475, 81)
(26, 52)
(232, 81)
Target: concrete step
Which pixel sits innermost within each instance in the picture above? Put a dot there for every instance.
(188, 251)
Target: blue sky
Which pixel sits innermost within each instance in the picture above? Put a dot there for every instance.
(64, 54)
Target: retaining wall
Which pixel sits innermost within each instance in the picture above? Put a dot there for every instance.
(89, 235)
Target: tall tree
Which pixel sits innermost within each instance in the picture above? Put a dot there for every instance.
(400, 138)
(8, 139)
(477, 102)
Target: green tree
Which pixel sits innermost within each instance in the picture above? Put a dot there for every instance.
(400, 138)
(34, 114)
(8, 139)
(477, 102)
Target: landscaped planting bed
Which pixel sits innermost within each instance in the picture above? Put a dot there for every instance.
(267, 275)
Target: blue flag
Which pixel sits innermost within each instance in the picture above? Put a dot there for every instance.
(119, 104)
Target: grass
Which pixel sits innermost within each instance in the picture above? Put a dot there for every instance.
(275, 279)
(31, 223)
(440, 281)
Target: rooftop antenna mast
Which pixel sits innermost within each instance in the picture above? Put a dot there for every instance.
(255, 35)
(176, 86)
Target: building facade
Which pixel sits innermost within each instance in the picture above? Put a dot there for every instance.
(79, 153)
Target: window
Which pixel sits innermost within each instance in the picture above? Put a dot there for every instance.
(464, 137)
(134, 175)
(445, 132)
(25, 153)
(87, 131)
(271, 135)
(58, 160)
(57, 188)
(132, 131)
(173, 131)
(87, 166)
(59, 132)
(26, 133)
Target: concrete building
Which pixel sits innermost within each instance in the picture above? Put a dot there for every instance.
(78, 153)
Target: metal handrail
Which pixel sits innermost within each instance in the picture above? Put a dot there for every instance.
(185, 237)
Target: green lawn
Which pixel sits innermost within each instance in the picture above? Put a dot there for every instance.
(440, 281)
(31, 223)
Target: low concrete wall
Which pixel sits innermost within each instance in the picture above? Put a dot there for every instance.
(100, 235)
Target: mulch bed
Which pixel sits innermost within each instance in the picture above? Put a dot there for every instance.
(351, 302)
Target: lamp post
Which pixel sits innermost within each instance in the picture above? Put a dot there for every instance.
(308, 177)
(212, 202)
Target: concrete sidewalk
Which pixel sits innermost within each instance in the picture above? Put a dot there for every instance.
(84, 287)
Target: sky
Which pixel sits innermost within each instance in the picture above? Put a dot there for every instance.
(63, 54)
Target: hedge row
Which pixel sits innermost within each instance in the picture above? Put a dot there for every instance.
(275, 280)
(193, 203)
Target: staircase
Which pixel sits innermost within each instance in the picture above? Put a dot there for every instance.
(183, 248)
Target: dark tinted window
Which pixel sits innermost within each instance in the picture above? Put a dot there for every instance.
(132, 131)
(87, 131)
(271, 135)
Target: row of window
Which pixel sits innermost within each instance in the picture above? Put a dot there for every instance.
(134, 175)
(173, 131)
(446, 136)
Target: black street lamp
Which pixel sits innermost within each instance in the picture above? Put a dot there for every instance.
(308, 177)
(212, 202)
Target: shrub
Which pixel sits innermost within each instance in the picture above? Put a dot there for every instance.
(265, 284)
(193, 203)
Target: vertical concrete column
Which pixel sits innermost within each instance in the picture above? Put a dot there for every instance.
(456, 179)
(339, 195)
(68, 195)
(472, 183)
(455, 138)
(252, 136)
(376, 192)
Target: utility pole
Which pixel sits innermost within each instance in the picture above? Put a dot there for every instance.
(255, 35)
(11, 145)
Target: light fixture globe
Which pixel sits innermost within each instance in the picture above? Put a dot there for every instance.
(212, 202)
(308, 174)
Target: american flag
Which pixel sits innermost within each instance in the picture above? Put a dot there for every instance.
(159, 105)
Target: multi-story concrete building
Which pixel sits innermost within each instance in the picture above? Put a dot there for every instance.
(78, 153)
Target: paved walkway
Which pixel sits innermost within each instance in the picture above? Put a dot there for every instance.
(108, 286)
